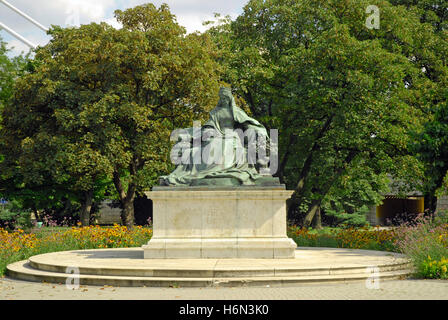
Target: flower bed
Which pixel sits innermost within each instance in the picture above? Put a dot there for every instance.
(434, 269)
(18, 245)
(353, 238)
(425, 242)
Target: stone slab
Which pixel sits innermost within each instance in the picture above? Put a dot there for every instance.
(219, 223)
(128, 261)
(125, 267)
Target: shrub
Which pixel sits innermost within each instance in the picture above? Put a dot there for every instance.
(13, 216)
(425, 242)
(434, 269)
(357, 218)
(62, 213)
(352, 238)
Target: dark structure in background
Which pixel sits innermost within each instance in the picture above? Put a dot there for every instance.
(396, 208)
(142, 210)
(110, 210)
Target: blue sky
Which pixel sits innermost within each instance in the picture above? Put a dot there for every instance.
(190, 14)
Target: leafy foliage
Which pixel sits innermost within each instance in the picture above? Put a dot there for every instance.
(434, 12)
(103, 102)
(425, 242)
(10, 69)
(344, 97)
(13, 216)
(431, 147)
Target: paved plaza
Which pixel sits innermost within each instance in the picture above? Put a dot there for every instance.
(387, 290)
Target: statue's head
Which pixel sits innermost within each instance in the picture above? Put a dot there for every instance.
(225, 97)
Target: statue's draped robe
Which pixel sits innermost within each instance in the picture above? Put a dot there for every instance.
(223, 152)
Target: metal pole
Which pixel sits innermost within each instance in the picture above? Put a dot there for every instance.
(18, 36)
(24, 15)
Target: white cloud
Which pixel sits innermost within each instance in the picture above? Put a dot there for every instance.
(113, 22)
(190, 13)
(195, 6)
(193, 22)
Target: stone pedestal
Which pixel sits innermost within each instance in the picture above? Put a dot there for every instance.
(205, 223)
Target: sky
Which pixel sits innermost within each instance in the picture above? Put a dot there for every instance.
(189, 13)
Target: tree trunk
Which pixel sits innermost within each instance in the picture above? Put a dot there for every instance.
(431, 202)
(430, 196)
(127, 215)
(126, 199)
(317, 221)
(315, 204)
(314, 207)
(306, 169)
(36, 213)
(86, 207)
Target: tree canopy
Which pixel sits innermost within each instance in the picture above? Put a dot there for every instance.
(354, 105)
(101, 102)
(344, 97)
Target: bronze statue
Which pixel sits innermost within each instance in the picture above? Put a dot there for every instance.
(223, 151)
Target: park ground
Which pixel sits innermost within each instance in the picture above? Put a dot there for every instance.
(408, 289)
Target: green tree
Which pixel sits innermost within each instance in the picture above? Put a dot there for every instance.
(10, 68)
(6, 74)
(349, 201)
(102, 102)
(342, 95)
(431, 147)
(434, 12)
(429, 143)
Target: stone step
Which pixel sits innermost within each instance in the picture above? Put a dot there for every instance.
(35, 263)
(127, 267)
(24, 271)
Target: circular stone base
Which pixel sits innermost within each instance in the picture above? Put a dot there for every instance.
(126, 267)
